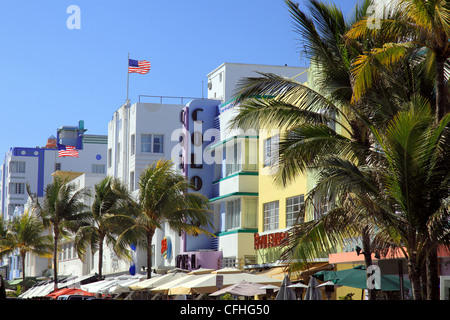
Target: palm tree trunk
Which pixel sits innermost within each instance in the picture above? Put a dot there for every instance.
(441, 91)
(23, 254)
(368, 259)
(432, 275)
(100, 258)
(55, 258)
(423, 279)
(150, 234)
(414, 276)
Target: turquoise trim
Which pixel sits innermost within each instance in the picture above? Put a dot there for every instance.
(253, 194)
(242, 173)
(224, 233)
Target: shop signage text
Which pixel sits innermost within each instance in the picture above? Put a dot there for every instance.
(269, 240)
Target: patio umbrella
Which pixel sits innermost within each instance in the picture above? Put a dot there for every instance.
(356, 277)
(67, 291)
(97, 287)
(207, 283)
(313, 293)
(227, 270)
(242, 288)
(286, 293)
(328, 283)
(123, 286)
(163, 288)
(297, 285)
(270, 289)
(38, 291)
(156, 281)
(201, 271)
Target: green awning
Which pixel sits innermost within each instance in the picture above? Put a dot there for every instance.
(357, 278)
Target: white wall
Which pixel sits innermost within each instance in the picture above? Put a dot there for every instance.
(232, 73)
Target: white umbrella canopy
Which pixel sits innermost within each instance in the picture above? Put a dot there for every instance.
(227, 270)
(99, 286)
(162, 288)
(328, 283)
(201, 271)
(298, 285)
(242, 288)
(123, 285)
(157, 281)
(38, 291)
(207, 283)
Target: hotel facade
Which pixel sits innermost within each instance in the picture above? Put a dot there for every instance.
(35, 167)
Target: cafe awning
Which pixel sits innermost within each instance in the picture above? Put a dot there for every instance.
(357, 278)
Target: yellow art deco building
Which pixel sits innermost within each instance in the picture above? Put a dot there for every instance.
(278, 205)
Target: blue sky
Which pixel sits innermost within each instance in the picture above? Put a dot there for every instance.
(52, 76)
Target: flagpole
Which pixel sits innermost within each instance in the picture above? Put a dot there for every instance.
(128, 75)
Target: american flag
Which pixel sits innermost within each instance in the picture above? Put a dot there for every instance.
(67, 151)
(138, 66)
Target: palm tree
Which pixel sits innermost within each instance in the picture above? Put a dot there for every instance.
(25, 234)
(105, 220)
(306, 111)
(62, 211)
(410, 24)
(416, 179)
(311, 143)
(404, 185)
(163, 198)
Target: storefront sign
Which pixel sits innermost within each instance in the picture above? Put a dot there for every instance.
(269, 240)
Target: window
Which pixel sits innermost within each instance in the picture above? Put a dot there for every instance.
(17, 188)
(13, 207)
(270, 150)
(233, 157)
(271, 216)
(98, 168)
(152, 143)
(146, 143)
(233, 214)
(67, 251)
(133, 144)
(228, 262)
(17, 167)
(57, 166)
(157, 144)
(293, 206)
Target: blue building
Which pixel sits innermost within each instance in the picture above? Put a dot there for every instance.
(35, 166)
(197, 162)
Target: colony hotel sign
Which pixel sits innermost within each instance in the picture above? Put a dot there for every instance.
(269, 240)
